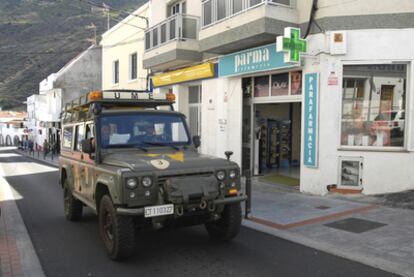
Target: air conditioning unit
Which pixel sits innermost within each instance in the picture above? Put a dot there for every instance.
(338, 43)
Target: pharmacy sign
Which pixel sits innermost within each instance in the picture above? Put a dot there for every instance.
(291, 45)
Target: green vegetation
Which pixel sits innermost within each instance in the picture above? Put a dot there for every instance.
(38, 37)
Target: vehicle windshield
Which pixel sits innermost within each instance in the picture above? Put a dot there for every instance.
(142, 130)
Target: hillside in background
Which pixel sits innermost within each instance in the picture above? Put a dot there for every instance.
(38, 37)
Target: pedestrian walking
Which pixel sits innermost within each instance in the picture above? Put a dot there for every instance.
(30, 146)
(45, 148)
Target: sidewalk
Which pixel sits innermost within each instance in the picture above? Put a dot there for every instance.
(369, 233)
(17, 255)
(54, 161)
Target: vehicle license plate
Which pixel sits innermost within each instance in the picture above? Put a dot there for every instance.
(159, 210)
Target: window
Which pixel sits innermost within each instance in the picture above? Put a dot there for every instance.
(261, 86)
(194, 101)
(207, 13)
(280, 84)
(254, 2)
(79, 136)
(373, 105)
(237, 6)
(89, 131)
(178, 7)
(142, 130)
(67, 137)
(133, 60)
(115, 72)
(221, 9)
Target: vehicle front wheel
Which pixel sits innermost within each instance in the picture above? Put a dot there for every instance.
(117, 231)
(72, 206)
(228, 226)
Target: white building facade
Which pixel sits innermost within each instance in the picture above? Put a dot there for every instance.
(340, 119)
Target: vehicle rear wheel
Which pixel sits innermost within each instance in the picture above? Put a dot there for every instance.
(72, 206)
(117, 231)
(228, 226)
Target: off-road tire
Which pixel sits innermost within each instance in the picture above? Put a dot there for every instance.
(117, 231)
(72, 206)
(228, 226)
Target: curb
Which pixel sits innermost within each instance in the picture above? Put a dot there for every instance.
(15, 228)
(372, 261)
(50, 163)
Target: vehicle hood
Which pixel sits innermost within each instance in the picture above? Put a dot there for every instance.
(164, 161)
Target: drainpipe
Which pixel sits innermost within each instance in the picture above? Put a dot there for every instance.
(314, 8)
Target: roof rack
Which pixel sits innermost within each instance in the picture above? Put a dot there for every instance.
(81, 106)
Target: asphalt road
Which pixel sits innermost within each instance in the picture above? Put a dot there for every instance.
(75, 249)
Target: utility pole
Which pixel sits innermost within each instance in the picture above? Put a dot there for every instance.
(107, 10)
(94, 39)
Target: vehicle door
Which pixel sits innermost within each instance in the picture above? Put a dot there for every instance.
(89, 164)
(78, 167)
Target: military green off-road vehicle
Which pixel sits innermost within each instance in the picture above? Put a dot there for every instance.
(129, 157)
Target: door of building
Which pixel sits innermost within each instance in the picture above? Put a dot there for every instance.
(194, 103)
(387, 96)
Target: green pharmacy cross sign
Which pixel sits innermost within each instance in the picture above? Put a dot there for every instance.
(291, 44)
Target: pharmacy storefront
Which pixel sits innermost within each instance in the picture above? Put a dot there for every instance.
(341, 120)
(363, 142)
(255, 111)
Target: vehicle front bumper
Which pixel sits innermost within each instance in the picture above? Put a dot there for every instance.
(141, 211)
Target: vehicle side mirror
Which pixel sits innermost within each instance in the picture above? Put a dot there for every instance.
(228, 154)
(196, 141)
(87, 146)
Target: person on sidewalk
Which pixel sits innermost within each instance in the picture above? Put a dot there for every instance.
(45, 149)
(30, 146)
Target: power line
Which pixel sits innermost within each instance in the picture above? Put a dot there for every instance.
(104, 6)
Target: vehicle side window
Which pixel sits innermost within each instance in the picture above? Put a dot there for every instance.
(89, 131)
(79, 136)
(67, 137)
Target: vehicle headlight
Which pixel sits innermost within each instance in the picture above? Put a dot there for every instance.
(221, 175)
(146, 181)
(131, 183)
(232, 174)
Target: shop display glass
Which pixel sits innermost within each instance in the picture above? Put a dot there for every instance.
(296, 83)
(280, 84)
(373, 105)
(261, 86)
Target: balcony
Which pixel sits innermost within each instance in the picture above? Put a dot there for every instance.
(232, 25)
(172, 43)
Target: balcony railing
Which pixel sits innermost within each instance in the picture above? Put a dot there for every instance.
(176, 27)
(214, 11)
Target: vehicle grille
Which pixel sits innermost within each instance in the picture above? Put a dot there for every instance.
(163, 178)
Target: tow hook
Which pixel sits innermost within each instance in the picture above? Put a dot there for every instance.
(203, 204)
(179, 210)
(211, 206)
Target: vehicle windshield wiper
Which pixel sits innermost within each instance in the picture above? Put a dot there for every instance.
(160, 144)
(126, 146)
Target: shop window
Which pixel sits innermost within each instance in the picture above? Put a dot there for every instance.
(261, 86)
(280, 84)
(296, 83)
(373, 105)
(247, 87)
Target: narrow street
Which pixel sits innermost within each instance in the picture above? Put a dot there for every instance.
(75, 249)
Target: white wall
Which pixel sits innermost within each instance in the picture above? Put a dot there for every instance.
(383, 171)
(221, 115)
